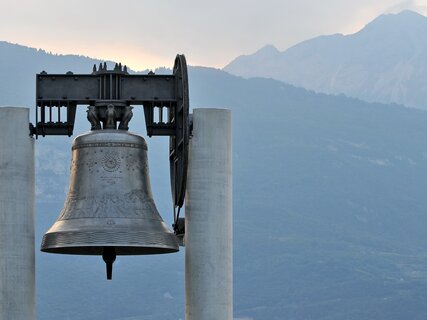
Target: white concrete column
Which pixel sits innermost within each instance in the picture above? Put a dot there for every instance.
(208, 218)
(17, 258)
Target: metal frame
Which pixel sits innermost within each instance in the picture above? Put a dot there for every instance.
(165, 99)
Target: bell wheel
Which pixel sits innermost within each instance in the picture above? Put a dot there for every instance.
(178, 144)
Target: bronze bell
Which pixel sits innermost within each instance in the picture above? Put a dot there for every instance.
(109, 209)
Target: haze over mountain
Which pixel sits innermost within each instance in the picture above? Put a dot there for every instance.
(384, 62)
(329, 206)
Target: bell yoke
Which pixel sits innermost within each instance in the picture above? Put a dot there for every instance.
(109, 209)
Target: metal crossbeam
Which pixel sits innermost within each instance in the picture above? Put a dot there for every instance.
(86, 89)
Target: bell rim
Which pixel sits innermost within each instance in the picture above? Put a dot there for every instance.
(124, 250)
(126, 242)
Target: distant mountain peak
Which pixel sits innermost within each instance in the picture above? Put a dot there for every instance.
(405, 20)
(410, 13)
(265, 52)
(402, 13)
(405, 15)
(268, 49)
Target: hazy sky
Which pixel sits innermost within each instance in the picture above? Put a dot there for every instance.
(148, 33)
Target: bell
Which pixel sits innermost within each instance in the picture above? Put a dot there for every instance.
(109, 209)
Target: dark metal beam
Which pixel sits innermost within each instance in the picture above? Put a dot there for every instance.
(82, 89)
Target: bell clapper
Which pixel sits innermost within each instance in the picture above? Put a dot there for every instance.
(109, 256)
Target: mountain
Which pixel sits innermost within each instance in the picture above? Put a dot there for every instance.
(329, 208)
(383, 62)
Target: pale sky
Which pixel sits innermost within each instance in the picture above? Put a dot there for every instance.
(149, 33)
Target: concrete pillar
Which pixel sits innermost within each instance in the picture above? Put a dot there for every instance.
(208, 214)
(17, 258)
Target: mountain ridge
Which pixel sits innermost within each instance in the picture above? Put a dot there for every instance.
(383, 62)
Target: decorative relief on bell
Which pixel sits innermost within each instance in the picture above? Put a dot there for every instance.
(132, 204)
(132, 164)
(139, 145)
(111, 161)
(91, 164)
